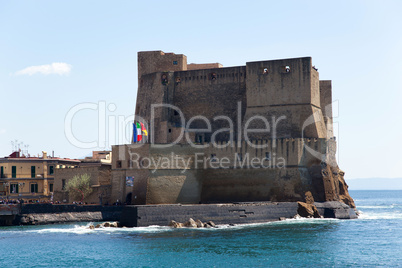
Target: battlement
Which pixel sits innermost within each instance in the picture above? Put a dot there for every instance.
(285, 88)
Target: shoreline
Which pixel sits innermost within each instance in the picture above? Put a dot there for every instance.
(162, 215)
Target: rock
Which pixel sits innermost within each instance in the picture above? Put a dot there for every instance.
(211, 223)
(309, 198)
(98, 226)
(199, 224)
(114, 224)
(231, 224)
(106, 224)
(91, 226)
(307, 210)
(190, 223)
(175, 224)
(282, 218)
(206, 225)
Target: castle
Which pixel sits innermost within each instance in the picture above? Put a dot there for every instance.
(259, 132)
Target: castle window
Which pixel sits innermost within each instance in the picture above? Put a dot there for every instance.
(170, 130)
(285, 69)
(175, 62)
(118, 164)
(178, 80)
(164, 79)
(264, 70)
(267, 155)
(63, 184)
(213, 76)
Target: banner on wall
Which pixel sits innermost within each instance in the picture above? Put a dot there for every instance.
(130, 181)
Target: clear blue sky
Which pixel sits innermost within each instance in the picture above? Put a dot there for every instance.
(356, 44)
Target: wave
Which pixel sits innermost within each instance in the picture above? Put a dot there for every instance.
(84, 229)
(380, 206)
(379, 215)
(81, 229)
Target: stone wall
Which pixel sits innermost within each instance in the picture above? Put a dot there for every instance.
(282, 171)
(100, 183)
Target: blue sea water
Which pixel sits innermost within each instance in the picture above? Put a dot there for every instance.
(375, 239)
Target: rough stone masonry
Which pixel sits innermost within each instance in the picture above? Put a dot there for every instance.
(255, 133)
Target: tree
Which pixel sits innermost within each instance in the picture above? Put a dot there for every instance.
(79, 186)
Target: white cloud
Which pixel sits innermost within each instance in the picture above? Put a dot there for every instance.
(59, 68)
(2, 131)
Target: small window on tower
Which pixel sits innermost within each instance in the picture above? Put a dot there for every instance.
(178, 80)
(175, 62)
(164, 79)
(213, 76)
(285, 69)
(264, 70)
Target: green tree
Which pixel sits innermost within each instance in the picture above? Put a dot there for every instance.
(79, 186)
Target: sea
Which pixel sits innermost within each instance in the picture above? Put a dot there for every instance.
(373, 240)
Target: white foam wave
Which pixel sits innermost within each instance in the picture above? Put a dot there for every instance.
(390, 206)
(379, 216)
(77, 229)
(84, 229)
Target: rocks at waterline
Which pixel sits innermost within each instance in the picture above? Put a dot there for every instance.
(307, 210)
(192, 224)
(104, 224)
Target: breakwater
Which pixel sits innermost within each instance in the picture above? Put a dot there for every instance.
(146, 215)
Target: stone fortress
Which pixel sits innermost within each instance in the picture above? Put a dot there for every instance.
(276, 113)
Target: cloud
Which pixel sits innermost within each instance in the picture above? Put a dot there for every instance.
(2, 131)
(59, 68)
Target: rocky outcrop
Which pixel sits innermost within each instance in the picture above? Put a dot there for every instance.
(335, 209)
(307, 210)
(105, 224)
(192, 224)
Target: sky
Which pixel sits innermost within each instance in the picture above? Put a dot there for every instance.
(67, 65)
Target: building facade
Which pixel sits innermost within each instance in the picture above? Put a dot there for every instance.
(98, 167)
(30, 178)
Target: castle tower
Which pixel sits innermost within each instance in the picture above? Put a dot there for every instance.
(287, 93)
